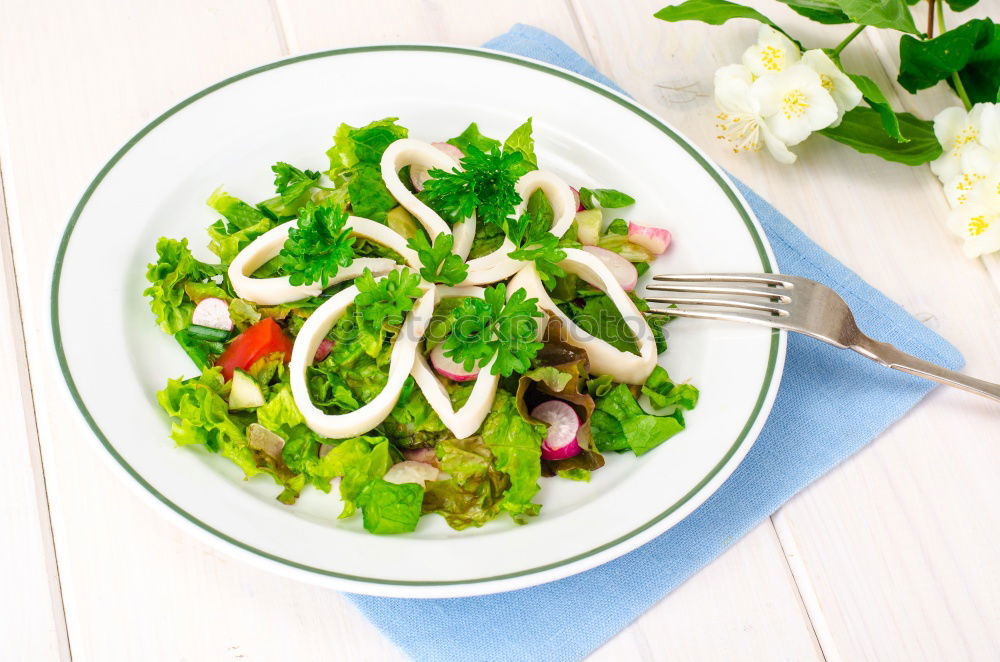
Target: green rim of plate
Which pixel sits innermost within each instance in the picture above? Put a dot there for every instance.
(538, 66)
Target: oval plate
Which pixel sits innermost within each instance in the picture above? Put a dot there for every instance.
(229, 134)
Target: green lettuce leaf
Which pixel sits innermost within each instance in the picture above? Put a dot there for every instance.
(368, 193)
(472, 493)
(620, 424)
(390, 508)
(175, 267)
(608, 198)
(203, 417)
(520, 140)
(517, 446)
(472, 136)
(353, 145)
(663, 392)
(241, 225)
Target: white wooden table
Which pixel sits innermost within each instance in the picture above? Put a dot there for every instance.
(892, 556)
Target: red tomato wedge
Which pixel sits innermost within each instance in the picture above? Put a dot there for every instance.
(263, 338)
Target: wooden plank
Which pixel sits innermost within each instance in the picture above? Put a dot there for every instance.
(32, 626)
(893, 552)
(135, 587)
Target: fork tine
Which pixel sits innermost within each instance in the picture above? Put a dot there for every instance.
(751, 317)
(770, 293)
(762, 279)
(725, 303)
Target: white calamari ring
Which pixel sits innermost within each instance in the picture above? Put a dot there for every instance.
(364, 419)
(278, 290)
(498, 265)
(409, 152)
(604, 358)
(464, 422)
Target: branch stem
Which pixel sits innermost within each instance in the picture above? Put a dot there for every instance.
(955, 79)
(848, 39)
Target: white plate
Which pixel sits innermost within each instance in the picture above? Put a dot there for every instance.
(114, 358)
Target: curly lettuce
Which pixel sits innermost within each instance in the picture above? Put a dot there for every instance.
(174, 269)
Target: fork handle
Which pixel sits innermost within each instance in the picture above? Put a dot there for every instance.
(889, 356)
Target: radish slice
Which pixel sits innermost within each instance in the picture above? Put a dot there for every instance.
(420, 174)
(623, 270)
(655, 240)
(410, 472)
(213, 313)
(576, 198)
(324, 349)
(588, 226)
(560, 441)
(425, 455)
(449, 368)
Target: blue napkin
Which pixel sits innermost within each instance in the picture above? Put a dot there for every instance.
(830, 404)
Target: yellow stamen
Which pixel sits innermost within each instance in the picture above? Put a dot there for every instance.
(826, 82)
(795, 104)
(742, 132)
(978, 225)
(964, 137)
(772, 58)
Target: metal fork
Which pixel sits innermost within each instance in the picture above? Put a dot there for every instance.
(796, 304)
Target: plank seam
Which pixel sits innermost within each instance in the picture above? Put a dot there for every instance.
(14, 312)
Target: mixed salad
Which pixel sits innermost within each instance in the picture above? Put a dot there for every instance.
(424, 327)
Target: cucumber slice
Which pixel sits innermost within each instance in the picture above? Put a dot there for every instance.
(246, 394)
(208, 333)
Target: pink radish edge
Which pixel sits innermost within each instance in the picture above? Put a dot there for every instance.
(576, 198)
(560, 439)
(419, 174)
(324, 349)
(213, 313)
(623, 270)
(449, 368)
(655, 240)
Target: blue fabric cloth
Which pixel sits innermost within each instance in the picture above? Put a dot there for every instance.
(830, 404)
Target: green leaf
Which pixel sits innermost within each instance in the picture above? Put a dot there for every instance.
(873, 95)
(608, 198)
(294, 188)
(972, 50)
(663, 392)
(517, 446)
(821, 11)
(362, 145)
(384, 302)
(318, 245)
(520, 141)
(472, 136)
(486, 185)
(862, 130)
(714, 12)
(472, 493)
(440, 265)
(892, 14)
(242, 225)
(370, 198)
(175, 267)
(390, 508)
(961, 5)
(620, 424)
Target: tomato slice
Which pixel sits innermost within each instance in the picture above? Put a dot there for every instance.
(263, 338)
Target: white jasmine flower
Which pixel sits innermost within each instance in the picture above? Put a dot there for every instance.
(840, 86)
(958, 131)
(772, 53)
(794, 103)
(978, 225)
(977, 166)
(739, 121)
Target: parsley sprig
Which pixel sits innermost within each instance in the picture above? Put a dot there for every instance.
(485, 185)
(318, 245)
(495, 326)
(535, 243)
(383, 303)
(440, 265)
(290, 180)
